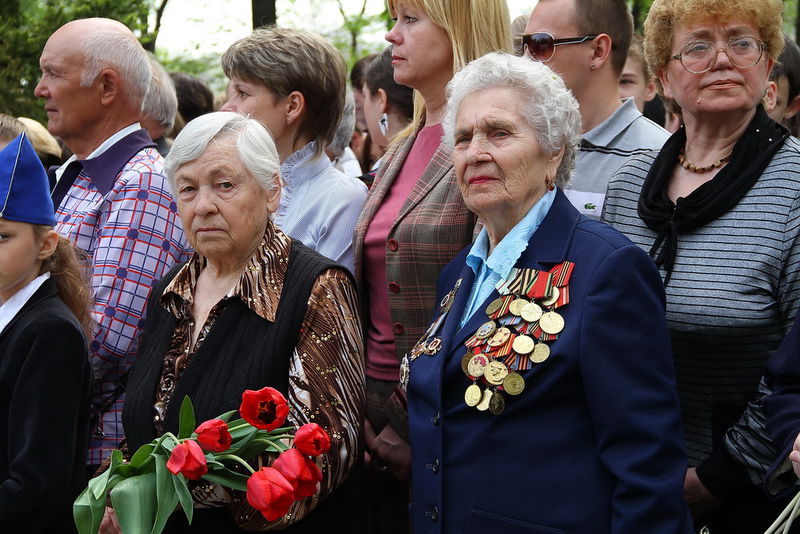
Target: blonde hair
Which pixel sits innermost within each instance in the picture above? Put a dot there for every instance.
(475, 28)
(66, 266)
(665, 15)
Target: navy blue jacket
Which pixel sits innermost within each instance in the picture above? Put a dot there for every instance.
(593, 444)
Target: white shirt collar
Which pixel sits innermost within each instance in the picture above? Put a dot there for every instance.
(105, 145)
(10, 308)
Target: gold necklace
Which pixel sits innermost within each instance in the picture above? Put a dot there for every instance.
(691, 167)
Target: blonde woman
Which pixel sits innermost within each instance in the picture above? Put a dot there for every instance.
(414, 220)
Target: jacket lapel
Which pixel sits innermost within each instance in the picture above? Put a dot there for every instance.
(440, 164)
(383, 183)
(46, 290)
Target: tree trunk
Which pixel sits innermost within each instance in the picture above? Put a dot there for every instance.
(264, 13)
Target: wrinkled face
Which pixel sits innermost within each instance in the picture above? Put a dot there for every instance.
(70, 107)
(257, 100)
(632, 82)
(20, 257)
(422, 56)
(571, 61)
(500, 166)
(223, 209)
(724, 88)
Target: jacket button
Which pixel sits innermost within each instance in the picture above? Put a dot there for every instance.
(434, 466)
(394, 287)
(392, 245)
(398, 329)
(433, 513)
(435, 419)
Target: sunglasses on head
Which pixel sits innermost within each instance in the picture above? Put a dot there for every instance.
(541, 45)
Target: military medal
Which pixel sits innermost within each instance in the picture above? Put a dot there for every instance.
(473, 395)
(477, 365)
(429, 344)
(522, 320)
(483, 405)
(496, 403)
(513, 384)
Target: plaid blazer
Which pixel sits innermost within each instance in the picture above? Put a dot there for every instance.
(432, 227)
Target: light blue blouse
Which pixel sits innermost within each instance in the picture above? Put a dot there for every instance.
(489, 271)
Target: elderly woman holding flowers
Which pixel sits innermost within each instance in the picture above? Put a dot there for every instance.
(251, 308)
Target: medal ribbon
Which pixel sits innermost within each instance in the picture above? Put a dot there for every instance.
(542, 286)
(504, 307)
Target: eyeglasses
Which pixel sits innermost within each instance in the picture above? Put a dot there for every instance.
(541, 45)
(700, 56)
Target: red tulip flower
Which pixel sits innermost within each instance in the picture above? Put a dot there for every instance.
(301, 472)
(312, 440)
(265, 409)
(270, 493)
(213, 435)
(187, 458)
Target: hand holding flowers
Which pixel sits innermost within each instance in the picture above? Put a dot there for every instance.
(147, 489)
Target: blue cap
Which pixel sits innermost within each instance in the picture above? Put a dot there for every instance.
(24, 188)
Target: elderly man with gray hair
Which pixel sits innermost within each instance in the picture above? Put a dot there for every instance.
(112, 199)
(159, 106)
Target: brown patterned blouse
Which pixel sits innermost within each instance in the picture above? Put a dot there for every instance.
(326, 372)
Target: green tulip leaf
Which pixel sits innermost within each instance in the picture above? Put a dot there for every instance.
(134, 501)
(87, 512)
(186, 423)
(179, 482)
(166, 494)
(142, 456)
(228, 478)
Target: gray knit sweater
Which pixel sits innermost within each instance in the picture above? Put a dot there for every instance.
(732, 297)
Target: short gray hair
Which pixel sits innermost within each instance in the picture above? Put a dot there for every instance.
(344, 133)
(161, 101)
(550, 109)
(113, 49)
(252, 141)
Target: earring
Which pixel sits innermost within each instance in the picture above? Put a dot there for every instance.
(383, 124)
(593, 67)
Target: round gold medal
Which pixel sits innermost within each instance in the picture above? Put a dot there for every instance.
(552, 298)
(465, 362)
(551, 323)
(540, 353)
(516, 306)
(523, 344)
(495, 305)
(473, 395)
(486, 330)
(531, 312)
(513, 384)
(477, 365)
(497, 403)
(500, 337)
(483, 405)
(495, 372)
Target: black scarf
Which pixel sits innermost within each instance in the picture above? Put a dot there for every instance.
(751, 155)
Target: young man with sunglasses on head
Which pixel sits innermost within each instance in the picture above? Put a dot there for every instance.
(587, 41)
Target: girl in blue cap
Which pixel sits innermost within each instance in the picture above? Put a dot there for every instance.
(44, 369)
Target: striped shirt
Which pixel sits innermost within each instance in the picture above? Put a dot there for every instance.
(320, 205)
(733, 293)
(604, 149)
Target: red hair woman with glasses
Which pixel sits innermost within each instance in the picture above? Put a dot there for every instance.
(718, 209)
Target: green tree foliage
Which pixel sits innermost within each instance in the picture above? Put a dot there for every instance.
(25, 26)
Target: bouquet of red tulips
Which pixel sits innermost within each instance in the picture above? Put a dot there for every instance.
(146, 490)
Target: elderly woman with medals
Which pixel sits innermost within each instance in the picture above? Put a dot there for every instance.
(542, 397)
